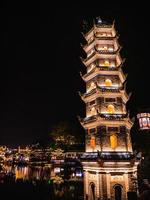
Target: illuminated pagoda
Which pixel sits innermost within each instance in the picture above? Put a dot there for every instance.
(108, 162)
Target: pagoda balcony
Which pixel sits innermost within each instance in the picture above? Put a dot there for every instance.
(110, 89)
(116, 155)
(105, 37)
(109, 68)
(95, 51)
(97, 91)
(103, 25)
(108, 51)
(103, 68)
(108, 155)
(113, 116)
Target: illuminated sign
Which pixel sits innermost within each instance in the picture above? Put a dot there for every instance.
(144, 120)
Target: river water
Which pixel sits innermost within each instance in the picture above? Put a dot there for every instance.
(41, 183)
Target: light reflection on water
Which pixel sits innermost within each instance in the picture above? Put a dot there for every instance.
(29, 172)
(52, 180)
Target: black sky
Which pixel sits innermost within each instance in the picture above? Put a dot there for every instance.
(40, 64)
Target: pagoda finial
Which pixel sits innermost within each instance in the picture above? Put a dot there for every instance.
(99, 20)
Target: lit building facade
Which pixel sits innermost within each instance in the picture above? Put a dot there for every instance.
(108, 163)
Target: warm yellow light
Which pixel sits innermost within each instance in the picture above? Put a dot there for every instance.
(106, 63)
(92, 84)
(113, 141)
(92, 142)
(92, 65)
(111, 109)
(108, 82)
(105, 48)
(93, 111)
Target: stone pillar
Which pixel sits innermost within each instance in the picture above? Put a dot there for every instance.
(85, 184)
(126, 182)
(97, 185)
(101, 186)
(108, 176)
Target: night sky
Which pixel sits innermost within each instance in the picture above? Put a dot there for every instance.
(40, 64)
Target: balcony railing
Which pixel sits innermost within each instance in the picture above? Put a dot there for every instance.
(105, 89)
(107, 51)
(104, 37)
(113, 116)
(107, 155)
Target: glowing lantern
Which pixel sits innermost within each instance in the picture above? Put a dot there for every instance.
(106, 63)
(111, 109)
(108, 82)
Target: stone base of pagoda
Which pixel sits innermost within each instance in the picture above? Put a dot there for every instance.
(108, 179)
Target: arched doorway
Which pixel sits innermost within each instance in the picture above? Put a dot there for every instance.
(118, 192)
(92, 191)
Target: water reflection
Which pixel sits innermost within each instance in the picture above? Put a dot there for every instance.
(55, 182)
(29, 172)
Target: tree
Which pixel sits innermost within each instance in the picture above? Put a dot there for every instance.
(63, 135)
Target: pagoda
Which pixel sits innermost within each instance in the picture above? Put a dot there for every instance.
(108, 162)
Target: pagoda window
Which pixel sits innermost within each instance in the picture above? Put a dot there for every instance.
(110, 109)
(108, 82)
(92, 142)
(119, 100)
(122, 129)
(101, 129)
(92, 130)
(110, 100)
(114, 129)
(100, 100)
(113, 141)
